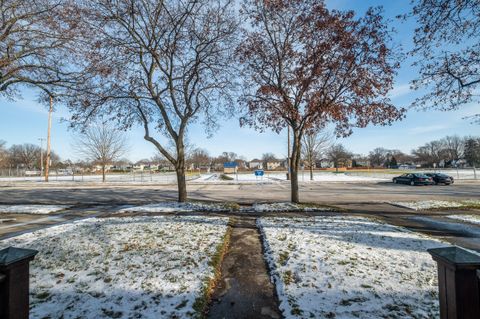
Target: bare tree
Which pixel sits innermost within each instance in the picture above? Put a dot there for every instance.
(305, 66)
(378, 157)
(454, 147)
(447, 44)
(432, 153)
(338, 155)
(227, 157)
(163, 65)
(268, 157)
(315, 143)
(3, 154)
(35, 45)
(101, 144)
(199, 157)
(26, 155)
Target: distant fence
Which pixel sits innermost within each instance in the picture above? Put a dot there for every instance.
(140, 177)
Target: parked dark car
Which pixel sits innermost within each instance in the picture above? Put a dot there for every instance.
(413, 179)
(439, 178)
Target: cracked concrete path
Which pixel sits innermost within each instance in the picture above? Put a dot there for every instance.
(244, 290)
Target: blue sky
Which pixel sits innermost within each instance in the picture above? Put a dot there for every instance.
(25, 121)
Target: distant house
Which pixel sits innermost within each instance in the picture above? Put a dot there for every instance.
(255, 164)
(230, 167)
(272, 165)
(241, 164)
(216, 166)
(407, 166)
(139, 167)
(98, 168)
(361, 163)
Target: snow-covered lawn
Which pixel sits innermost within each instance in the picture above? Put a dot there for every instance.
(347, 267)
(435, 204)
(31, 209)
(128, 178)
(329, 177)
(473, 219)
(148, 267)
(276, 177)
(241, 178)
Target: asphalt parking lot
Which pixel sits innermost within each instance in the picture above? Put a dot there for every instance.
(322, 193)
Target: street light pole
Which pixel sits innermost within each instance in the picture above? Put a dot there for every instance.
(41, 156)
(47, 164)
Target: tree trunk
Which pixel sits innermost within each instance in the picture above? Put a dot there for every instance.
(294, 164)
(180, 170)
(103, 174)
(311, 167)
(182, 185)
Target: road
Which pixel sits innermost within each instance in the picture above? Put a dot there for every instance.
(366, 199)
(325, 193)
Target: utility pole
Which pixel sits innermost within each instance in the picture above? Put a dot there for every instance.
(288, 155)
(47, 164)
(41, 156)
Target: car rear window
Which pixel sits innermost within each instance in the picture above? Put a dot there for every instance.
(421, 175)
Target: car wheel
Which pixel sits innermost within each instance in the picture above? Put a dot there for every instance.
(412, 183)
(395, 181)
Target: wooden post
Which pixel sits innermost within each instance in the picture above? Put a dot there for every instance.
(14, 282)
(459, 289)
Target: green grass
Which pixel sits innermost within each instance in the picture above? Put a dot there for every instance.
(202, 302)
(283, 258)
(288, 277)
(224, 177)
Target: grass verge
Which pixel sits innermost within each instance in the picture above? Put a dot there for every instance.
(203, 301)
(321, 207)
(224, 177)
(467, 206)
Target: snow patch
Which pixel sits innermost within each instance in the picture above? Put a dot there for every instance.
(434, 204)
(347, 267)
(31, 209)
(334, 177)
(148, 267)
(473, 219)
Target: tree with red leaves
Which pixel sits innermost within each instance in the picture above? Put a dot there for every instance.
(305, 66)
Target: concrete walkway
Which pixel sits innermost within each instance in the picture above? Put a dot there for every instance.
(245, 290)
